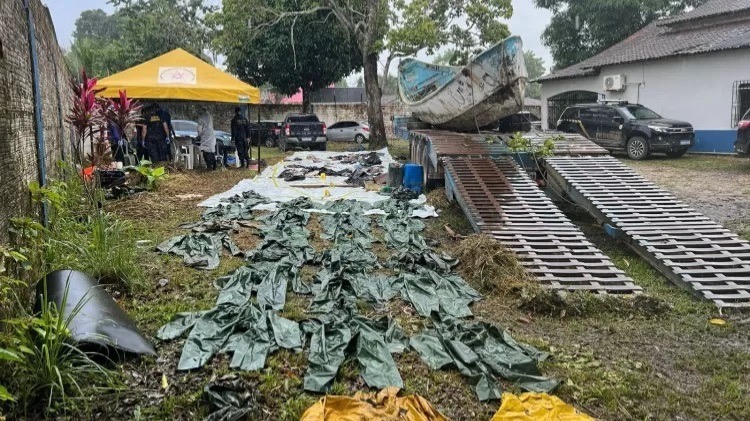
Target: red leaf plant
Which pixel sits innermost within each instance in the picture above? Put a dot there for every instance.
(85, 113)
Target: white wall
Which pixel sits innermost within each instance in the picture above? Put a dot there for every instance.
(696, 88)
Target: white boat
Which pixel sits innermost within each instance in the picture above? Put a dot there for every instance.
(490, 87)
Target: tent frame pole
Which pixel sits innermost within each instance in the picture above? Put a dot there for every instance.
(259, 169)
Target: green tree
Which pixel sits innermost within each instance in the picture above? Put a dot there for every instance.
(535, 69)
(343, 83)
(583, 28)
(399, 28)
(97, 25)
(139, 30)
(154, 27)
(445, 58)
(308, 52)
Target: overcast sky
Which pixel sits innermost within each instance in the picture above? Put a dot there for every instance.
(527, 21)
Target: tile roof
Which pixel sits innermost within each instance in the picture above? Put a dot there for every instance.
(713, 8)
(680, 35)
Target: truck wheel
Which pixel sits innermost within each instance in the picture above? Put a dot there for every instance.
(637, 148)
(269, 143)
(323, 146)
(282, 145)
(676, 154)
(360, 139)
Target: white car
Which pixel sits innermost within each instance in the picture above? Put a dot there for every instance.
(347, 131)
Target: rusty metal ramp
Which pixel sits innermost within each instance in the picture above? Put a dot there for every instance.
(430, 147)
(686, 246)
(500, 200)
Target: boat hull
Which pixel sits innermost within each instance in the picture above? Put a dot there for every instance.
(490, 87)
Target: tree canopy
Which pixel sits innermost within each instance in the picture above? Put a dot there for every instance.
(535, 69)
(583, 28)
(309, 52)
(137, 31)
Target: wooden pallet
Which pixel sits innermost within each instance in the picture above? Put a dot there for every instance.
(686, 246)
(500, 200)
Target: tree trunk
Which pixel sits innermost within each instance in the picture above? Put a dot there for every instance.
(305, 101)
(378, 139)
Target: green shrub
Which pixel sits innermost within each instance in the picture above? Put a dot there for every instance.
(79, 236)
(152, 176)
(45, 364)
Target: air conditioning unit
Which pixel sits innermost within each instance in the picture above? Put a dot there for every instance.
(614, 83)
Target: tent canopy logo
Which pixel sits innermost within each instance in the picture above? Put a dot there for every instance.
(177, 76)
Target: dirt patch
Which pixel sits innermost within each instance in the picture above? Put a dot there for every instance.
(717, 186)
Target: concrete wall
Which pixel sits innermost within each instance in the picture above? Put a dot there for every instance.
(328, 113)
(18, 152)
(696, 88)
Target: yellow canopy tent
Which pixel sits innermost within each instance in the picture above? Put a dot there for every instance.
(179, 75)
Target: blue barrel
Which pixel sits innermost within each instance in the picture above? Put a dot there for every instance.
(413, 174)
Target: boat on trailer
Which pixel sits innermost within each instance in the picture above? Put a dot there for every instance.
(468, 98)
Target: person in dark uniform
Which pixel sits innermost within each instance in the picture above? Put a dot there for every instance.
(240, 132)
(156, 135)
(116, 142)
(140, 137)
(167, 118)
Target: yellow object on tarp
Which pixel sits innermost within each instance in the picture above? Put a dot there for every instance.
(182, 76)
(537, 407)
(384, 405)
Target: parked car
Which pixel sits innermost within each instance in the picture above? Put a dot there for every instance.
(347, 131)
(520, 122)
(633, 128)
(742, 144)
(186, 129)
(271, 130)
(303, 130)
(189, 129)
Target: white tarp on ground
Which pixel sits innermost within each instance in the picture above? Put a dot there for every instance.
(269, 185)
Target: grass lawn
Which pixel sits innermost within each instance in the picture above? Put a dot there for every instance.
(617, 361)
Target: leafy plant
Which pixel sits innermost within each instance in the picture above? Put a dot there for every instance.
(152, 175)
(85, 113)
(123, 113)
(78, 237)
(519, 143)
(45, 361)
(11, 255)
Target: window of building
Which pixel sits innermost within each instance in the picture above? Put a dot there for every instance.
(740, 100)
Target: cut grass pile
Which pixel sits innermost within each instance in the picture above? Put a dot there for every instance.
(491, 267)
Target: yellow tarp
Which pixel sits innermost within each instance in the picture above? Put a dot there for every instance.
(179, 75)
(537, 407)
(385, 405)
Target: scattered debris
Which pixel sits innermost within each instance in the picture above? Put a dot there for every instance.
(163, 282)
(189, 196)
(229, 397)
(353, 170)
(385, 405)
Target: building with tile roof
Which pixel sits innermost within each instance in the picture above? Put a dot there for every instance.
(693, 67)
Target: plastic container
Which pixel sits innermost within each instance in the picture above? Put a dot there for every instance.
(413, 175)
(232, 160)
